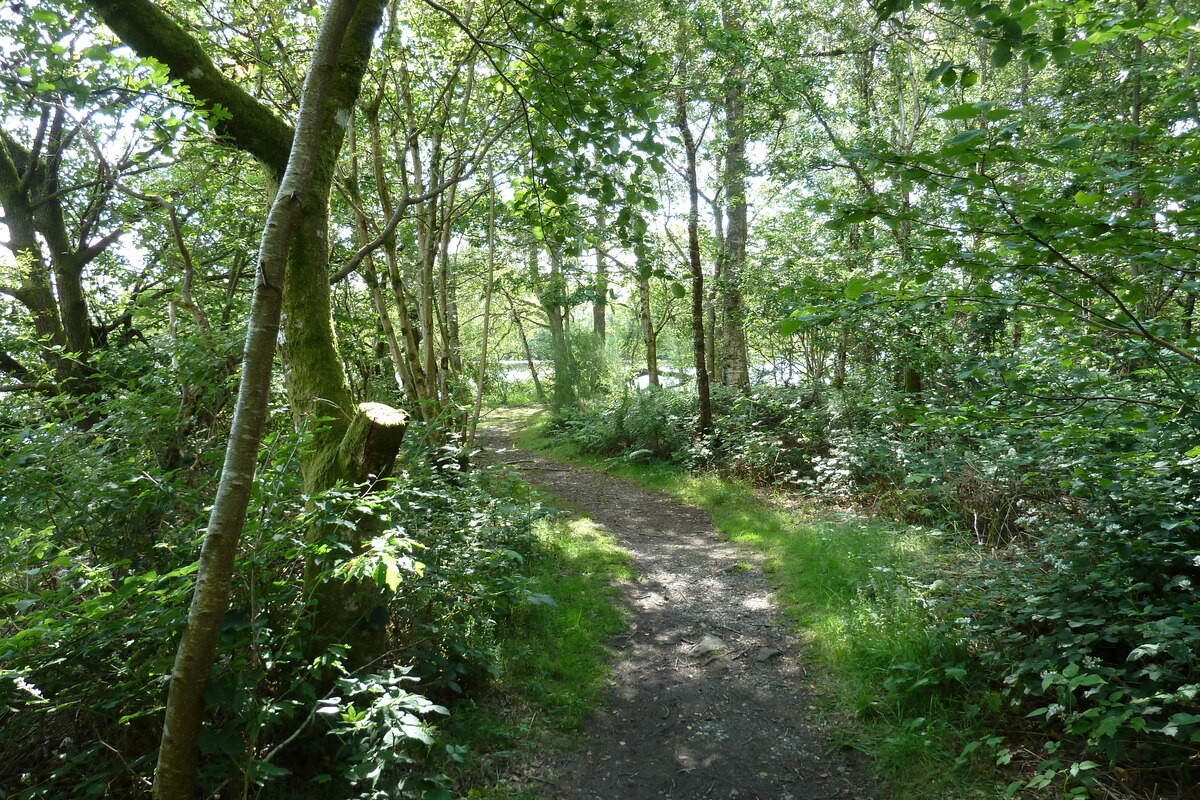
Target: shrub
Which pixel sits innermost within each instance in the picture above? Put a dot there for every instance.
(650, 424)
(89, 633)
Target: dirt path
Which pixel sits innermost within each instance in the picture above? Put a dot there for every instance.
(709, 695)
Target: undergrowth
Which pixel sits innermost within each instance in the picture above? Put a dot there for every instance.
(498, 613)
(968, 650)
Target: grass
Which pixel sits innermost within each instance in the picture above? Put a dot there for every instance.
(552, 661)
(854, 588)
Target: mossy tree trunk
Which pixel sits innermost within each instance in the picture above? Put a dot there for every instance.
(349, 442)
(600, 294)
(649, 334)
(553, 297)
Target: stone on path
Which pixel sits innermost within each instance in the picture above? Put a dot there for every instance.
(709, 644)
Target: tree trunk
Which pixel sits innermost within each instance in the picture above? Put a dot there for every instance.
(400, 372)
(175, 775)
(911, 380)
(553, 300)
(537, 381)
(1189, 315)
(839, 364)
(735, 370)
(600, 300)
(697, 269)
(408, 361)
(33, 213)
(712, 298)
(487, 309)
(649, 335)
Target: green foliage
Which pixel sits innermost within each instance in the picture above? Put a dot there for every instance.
(769, 435)
(474, 535)
(552, 660)
(1095, 635)
(1095, 508)
(82, 649)
(859, 591)
(376, 721)
(644, 425)
(581, 366)
(92, 612)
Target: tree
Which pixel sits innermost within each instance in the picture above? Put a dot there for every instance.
(292, 254)
(735, 371)
(53, 247)
(693, 241)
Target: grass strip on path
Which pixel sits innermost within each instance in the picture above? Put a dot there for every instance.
(552, 658)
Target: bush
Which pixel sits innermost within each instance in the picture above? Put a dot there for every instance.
(650, 424)
(93, 612)
(1095, 634)
(773, 435)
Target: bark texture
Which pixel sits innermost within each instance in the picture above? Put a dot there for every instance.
(175, 775)
(735, 370)
(600, 299)
(694, 264)
(649, 334)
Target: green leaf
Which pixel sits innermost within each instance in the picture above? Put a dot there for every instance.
(392, 578)
(1087, 679)
(967, 137)
(789, 326)
(265, 769)
(97, 52)
(857, 287)
(1108, 726)
(964, 111)
(937, 72)
(1001, 55)
(1013, 31)
(1085, 199)
(678, 290)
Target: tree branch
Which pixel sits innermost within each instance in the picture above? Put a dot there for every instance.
(152, 33)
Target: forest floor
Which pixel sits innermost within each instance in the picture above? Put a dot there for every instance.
(710, 696)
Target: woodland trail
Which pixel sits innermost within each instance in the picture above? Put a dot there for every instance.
(709, 694)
